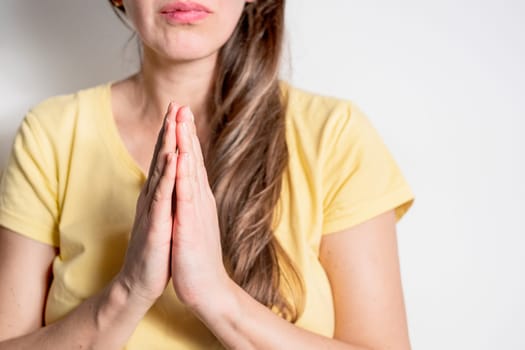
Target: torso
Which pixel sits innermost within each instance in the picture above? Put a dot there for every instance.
(99, 185)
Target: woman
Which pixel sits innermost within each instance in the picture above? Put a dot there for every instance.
(267, 219)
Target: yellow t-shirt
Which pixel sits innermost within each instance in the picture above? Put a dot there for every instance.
(71, 183)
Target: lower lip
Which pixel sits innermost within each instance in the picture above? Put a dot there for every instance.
(185, 17)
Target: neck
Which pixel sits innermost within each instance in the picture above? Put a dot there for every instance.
(185, 83)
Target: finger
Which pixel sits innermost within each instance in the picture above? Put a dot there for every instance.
(183, 120)
(184, 188)
(165, 144)
(159, 142)
(199, 157)
(158, 161)
(184, 141)
(187, 116)
(186, 119)
(161, 204)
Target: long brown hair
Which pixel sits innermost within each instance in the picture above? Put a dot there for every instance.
(247, 155)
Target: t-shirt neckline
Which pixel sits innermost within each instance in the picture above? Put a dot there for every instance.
(115, 142)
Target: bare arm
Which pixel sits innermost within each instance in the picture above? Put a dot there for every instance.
(363, 268)
(106, 319)
(23, 263)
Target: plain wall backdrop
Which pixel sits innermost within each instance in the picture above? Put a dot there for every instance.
(443, 82)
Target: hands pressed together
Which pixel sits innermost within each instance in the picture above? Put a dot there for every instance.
(176, 235)
(176, 231)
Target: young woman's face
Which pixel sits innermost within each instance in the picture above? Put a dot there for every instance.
(184, 30)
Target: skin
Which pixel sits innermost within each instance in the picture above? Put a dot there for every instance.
(183, 242)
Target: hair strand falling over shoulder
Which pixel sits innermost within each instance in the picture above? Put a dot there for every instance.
(248, 155)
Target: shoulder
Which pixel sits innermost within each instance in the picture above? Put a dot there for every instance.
(49, 128)
(57, 110)
(322, 120)
(338, 145)
(55, 120)
(307, 106)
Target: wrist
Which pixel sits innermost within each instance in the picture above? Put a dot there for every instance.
(223, 306)
(116, 302)
(228, 316)
(124, 288)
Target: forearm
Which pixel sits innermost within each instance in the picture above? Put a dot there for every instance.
(104, 321)
(243, 323)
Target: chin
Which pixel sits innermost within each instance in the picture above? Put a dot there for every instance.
(189, 55)
(186, 48)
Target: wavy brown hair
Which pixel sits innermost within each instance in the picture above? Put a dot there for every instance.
(247, 155)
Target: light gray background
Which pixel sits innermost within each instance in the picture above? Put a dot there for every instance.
(444, 83)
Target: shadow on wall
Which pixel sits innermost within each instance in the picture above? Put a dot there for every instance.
(79, 42)
(54, 47)
(6, 139)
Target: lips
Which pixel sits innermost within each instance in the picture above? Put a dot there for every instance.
(184, 6)
(184, 12)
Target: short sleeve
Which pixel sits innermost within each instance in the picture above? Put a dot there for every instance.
(28, 187)
(361, 178)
